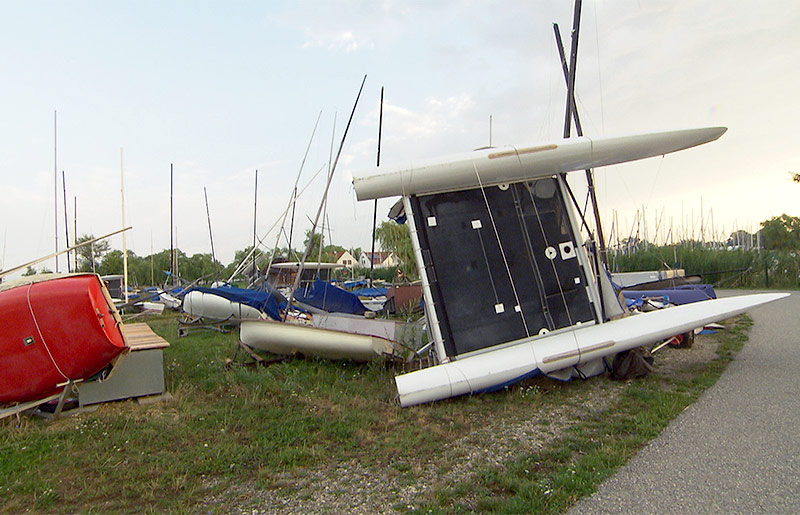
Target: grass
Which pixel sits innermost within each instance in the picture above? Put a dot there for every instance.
(590, 452)
(265, 426)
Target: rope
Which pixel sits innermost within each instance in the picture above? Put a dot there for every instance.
(552, 261)
(532, 257)
(502, 251)
(488, 268)
(41, 336)
(555, 273)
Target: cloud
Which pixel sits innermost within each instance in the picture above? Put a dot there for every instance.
(344, 40)
(436, 116)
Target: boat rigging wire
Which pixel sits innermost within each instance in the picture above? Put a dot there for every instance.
(324, 197)
(518, 305)
(532, 260)
(292, 200)
(552, 261)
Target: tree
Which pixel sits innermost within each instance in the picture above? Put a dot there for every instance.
(313, 249)
(394, 237)
(200, 265)
(111, 264)
(328, 254)
(89, 256)
(781, 233)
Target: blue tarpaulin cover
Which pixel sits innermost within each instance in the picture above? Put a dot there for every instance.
(330, 298)
(685, 294)
(369, 292)
(261, 300)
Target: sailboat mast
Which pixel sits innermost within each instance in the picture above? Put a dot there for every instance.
(66, 219)
(124, 244)
(171, 245)
(210, 234)
(324, 196)
(55, 182)
(255, 217)
(75, 232)
(3, 262)
(573, 61)
(572, 113)
(375, 205)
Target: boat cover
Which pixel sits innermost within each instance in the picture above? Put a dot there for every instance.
(369, 292)
(328, 297)
(261, 300)
(685, 294)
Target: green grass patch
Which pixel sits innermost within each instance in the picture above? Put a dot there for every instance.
(590, 451)
(229, 426)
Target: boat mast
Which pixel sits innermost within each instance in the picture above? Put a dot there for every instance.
(75, 232)
(293, 198)
(3, 262)
(325, 204)
(124, 245)
(66, 217)
(210, 235)
(255, 215)
(55, 182)
(375, 206)
(171, 246)
(572, 113)
(324, 196)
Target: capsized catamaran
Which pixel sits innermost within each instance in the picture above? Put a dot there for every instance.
(500, 220)
(55, 330)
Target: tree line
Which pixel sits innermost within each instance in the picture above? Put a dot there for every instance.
(100, 258)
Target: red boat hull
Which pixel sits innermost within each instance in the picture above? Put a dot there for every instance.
(55, 330)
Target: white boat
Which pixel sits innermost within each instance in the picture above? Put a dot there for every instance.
(572, 348)
(297, 338)
(497, 166)
(522, 294)
(169, 301)
(217, 308)
(373, 303)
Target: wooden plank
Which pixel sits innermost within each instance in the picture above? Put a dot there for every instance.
(141, 337)
(19, 408)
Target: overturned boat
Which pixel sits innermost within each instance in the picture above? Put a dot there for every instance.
(539, 300)
(55, 330)
(290, 338)
(333, 324)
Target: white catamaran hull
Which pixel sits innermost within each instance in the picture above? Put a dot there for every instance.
(494, 369)
(290, 338)
(495, 166)
(215, 307)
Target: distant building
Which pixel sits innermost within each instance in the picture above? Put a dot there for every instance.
(345, 259)
(380, 259)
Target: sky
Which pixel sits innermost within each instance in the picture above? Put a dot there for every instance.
(116, 93)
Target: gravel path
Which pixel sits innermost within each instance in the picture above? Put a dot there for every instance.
(737, 450)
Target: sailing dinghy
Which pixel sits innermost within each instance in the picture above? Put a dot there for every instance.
(539, 300)
(291, 338)
(55, 330)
